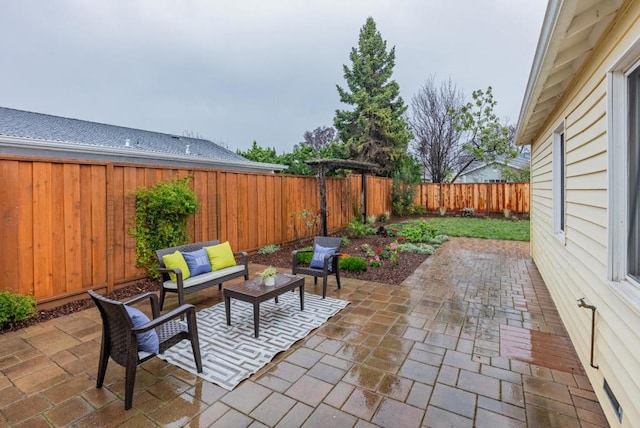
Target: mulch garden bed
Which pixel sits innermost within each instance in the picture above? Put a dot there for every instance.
(407, 262)
(394, 275)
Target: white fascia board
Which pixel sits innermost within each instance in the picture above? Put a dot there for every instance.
(536, 76)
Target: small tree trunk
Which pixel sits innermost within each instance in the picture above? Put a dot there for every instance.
(453, 180)
(323, 200)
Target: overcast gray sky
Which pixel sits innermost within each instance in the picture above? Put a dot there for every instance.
(244, 70)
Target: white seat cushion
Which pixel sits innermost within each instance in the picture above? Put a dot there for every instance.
(204, 277)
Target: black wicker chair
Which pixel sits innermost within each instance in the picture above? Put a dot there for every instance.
(330, 260)
(119, 336)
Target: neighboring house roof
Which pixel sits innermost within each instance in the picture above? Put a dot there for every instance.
(521, 162)
(570, 30)
(22, 132)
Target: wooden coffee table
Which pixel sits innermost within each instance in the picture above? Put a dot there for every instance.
(255, 292)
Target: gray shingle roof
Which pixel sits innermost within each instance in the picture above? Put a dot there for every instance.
(37, 126)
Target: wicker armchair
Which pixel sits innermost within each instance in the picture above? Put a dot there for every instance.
(119, 336)
(331, 262)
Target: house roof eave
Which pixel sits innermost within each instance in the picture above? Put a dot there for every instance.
(570, 31)
(132, 153)
(546, 42)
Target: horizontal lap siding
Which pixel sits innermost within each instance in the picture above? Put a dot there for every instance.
(576, 266)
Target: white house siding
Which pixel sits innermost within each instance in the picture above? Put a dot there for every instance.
(576, 265)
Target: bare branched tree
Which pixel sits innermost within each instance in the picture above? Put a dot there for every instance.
(511, 137)
(437, 142)
(319, 138)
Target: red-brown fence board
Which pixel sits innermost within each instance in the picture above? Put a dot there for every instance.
(71, 228)
(42, 254)
(23, 213)
(9, 194)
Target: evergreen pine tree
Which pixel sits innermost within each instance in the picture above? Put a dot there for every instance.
(375, 130)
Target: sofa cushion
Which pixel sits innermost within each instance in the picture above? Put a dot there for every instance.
(237, 271)
(221, 256)
(176, 261)
(147, 341)
(317, 261)
(197, 261)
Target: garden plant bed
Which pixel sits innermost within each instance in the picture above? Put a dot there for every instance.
(394, 275)
(407, 262)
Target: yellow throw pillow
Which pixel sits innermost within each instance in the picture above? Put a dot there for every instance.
(176, 261)
(221, 256)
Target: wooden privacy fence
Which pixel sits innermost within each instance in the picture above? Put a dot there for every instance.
(482, 197)
(65, 224)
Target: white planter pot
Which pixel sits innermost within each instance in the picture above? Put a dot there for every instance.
(270, 280)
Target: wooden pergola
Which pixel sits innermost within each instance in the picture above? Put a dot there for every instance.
(322, 166)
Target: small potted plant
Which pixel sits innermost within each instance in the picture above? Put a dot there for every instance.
(269, 275)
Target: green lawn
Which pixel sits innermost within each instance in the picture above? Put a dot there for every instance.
(514, 230)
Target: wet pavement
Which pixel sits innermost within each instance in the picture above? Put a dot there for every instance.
(472, 338)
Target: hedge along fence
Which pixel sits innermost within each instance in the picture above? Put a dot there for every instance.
(65, 224)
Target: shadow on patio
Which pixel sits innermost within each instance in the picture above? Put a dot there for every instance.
(472, 338)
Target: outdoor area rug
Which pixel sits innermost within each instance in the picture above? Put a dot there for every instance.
(231, 354)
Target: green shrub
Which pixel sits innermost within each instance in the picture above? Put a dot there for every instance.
(346, 241)
(355, 229)
(269, 249)
(419, 248)
(372, 219)
(370, 230)
(353, 264)
(367, 250)
(393, 231)
(305, 258)
(438, 239)
(15, 307)
(418, 231)
(384, 217)
(385, 253)
(161, 219)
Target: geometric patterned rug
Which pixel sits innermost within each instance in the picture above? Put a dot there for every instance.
(231, 354)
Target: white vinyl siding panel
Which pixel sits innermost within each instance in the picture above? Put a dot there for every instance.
(593, 107)
(589, 165)
(579, 268)
(595, 180)
(584, 199)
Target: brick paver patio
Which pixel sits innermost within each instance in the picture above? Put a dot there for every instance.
(449, 347)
